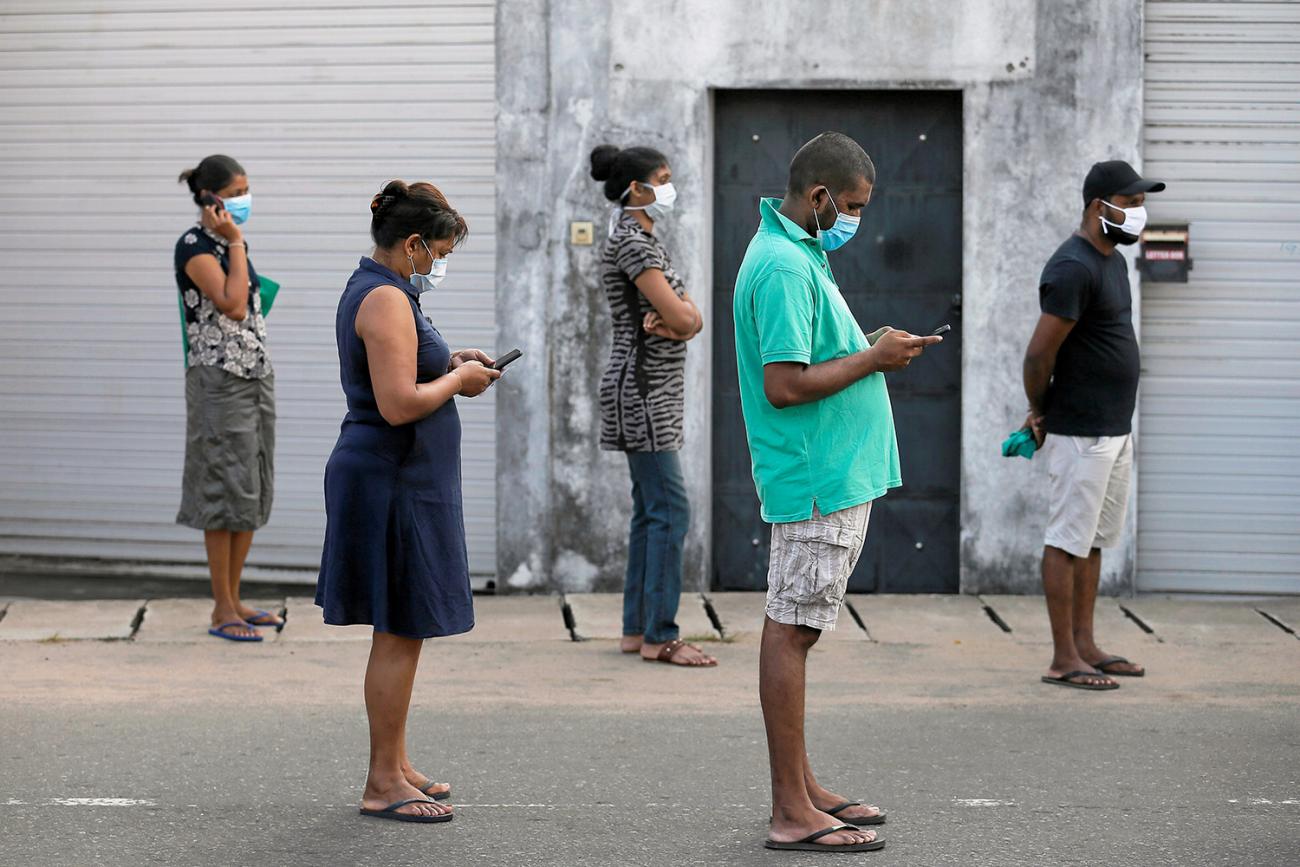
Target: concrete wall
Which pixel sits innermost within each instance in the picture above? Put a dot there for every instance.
(1049, 88)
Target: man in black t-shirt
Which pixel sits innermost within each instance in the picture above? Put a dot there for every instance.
(1081, 378)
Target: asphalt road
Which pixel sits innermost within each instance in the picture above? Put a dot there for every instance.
(569, 754)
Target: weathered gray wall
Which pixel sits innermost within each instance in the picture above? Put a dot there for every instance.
(1028, 145)
(1049, 87)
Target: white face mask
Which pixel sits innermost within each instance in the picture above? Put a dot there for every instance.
(665, 198)
(437, 270)
(1135, 220)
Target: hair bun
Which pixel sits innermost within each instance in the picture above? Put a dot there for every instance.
(392, 191)
(602, 161)
(187, 177)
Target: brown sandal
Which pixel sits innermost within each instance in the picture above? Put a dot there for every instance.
(669, 650)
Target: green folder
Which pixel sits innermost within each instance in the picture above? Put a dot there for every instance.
(267, 290)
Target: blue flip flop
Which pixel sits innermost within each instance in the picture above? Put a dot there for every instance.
(259, 616)
(220, 632)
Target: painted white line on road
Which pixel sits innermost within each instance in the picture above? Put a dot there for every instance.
(82, 802)
(982, 802)
(1260, 802)
(141, 802)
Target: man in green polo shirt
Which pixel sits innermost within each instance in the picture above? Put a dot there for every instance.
(821, 440)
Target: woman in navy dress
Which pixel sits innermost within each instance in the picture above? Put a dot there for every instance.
(394, 552)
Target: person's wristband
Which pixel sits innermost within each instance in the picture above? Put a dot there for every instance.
(237, 244)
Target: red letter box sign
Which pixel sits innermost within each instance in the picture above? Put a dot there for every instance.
(1165, 257)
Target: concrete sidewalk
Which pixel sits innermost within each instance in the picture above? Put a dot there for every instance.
(885, 619)
(162, 745)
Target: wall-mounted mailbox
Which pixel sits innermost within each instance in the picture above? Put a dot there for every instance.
(1166, 257)
(581, 233)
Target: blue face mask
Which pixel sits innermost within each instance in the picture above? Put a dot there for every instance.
(437, 270)
(839, 234)
(239, 207)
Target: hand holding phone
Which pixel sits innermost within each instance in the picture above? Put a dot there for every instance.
(216, 218)
(895, 349)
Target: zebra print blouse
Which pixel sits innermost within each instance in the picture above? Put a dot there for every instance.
(641, 391)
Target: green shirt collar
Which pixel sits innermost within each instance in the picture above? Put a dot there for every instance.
(778, 222)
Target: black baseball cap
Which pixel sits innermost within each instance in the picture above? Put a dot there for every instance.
(1116, 178)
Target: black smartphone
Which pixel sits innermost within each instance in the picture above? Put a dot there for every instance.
(506, 359)
(942, 329)
(206, 198)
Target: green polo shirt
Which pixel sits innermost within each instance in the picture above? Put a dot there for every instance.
(835, 452)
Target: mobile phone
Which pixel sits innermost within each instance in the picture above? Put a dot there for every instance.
(942, 329)
(206, 198)
(506, 359)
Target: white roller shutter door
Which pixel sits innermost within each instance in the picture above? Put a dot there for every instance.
(101, 105)
(1219, 502)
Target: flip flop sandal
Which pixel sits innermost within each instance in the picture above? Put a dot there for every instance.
(437, 796)
(390, 812)
(810, 844)
(260, 618)
(878, 819)
(670, 649)
(1116, 660)
(1067, 679)
(220, 632)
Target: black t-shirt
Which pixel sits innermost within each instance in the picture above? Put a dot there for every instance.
(1094, 385)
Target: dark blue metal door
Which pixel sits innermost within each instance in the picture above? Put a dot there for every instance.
(902, 269)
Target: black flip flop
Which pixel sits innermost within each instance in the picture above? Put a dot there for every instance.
(810, 844)
(878, 819)
(1114, 660)
(1067, 680)
(437, 796)
(390, 812)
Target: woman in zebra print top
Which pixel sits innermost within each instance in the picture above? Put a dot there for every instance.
(641, 395)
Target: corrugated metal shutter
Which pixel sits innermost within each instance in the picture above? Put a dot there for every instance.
(103, 103)
(1219, 504)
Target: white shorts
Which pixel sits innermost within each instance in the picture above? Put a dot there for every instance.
(1090, 483)
(811, 561)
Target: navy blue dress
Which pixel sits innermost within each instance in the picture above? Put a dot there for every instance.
(395, 529)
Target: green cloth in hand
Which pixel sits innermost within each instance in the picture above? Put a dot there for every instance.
(1020, 443)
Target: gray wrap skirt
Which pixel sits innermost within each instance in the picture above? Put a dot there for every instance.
(229, 451)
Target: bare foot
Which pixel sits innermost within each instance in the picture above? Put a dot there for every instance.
(791, 828)
(631, 643)
(380, 793)
(683, 654)
(237, 625)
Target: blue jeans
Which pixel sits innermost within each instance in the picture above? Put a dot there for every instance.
(660, 516)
